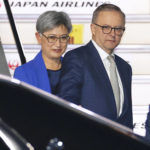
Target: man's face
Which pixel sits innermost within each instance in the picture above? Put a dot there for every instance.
(107, 41)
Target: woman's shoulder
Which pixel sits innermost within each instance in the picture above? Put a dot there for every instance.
(26, 65)
(31, 63)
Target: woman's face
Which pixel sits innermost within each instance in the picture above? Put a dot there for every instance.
(53, 42)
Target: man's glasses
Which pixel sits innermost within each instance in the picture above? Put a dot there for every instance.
(53, 39)
(107, 29)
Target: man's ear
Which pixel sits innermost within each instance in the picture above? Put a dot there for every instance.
(92, 29)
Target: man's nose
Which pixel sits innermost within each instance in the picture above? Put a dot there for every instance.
(113, 32)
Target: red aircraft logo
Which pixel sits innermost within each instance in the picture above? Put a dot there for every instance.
(13, 64)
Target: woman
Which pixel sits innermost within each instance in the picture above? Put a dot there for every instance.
(52, 34)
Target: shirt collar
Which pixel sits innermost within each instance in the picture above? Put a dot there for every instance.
(101, 52)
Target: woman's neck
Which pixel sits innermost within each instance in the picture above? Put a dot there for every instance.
(53, 64)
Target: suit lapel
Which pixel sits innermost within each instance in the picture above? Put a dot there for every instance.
(41, 73)
(96, 62)
(122, 76)
(99, 73)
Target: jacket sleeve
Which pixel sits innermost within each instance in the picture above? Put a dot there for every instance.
(19, 74)
(70, 85)
(147, 126)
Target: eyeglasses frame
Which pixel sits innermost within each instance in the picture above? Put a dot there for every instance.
(123, 29)
(58, 38)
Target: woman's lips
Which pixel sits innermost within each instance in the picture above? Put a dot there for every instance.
(57, 50)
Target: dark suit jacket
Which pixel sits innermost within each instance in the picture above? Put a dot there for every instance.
(84, 81)
(147, 126)
(34, 73)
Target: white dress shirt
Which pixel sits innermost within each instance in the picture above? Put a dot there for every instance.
(103, 56)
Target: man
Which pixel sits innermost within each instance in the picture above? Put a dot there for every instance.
(95, 81)
(147, 127)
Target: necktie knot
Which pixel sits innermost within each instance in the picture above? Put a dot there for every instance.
(111, 59)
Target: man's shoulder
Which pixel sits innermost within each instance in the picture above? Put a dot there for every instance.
(121, 60)
(79, 50)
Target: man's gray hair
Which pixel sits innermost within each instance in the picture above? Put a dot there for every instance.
(51, 19)
(106, 7)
